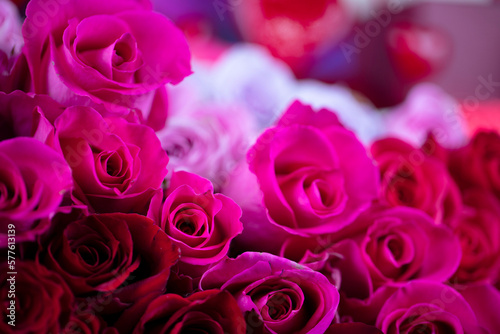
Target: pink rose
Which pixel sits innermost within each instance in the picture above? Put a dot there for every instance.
(427, 307)
(315, 175)
(200, 222)
(119, 54)
(479, 232)
(33, 180)
(117, 166)
(275, 293)
(478, 163)
(414, 177)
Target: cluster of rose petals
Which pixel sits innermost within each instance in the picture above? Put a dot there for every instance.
(416, 178)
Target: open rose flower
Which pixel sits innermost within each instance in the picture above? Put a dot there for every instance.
(33, 180)
(396, 245)
(427, 307)
(414, 177)
(478, 163)
(211, 311)
(117, 166)
(101, 252)
(200, 222)
(479, 232)
(315, 175)
(276, 294)
(35, 288)
(116, 53)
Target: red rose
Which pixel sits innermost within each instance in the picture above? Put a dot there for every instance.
(415, 177)
(120, 256)
(211, 311)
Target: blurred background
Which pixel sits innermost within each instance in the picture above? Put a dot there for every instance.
(434, 61)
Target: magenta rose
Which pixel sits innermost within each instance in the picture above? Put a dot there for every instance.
(117, 166)
(100, 253)
(27, 116)
(116, 53)
(315, 175)
(276, 294)
(211, 311)
(427, 307)
(36, 288)
(479, 232)
(395, 245)
(477, 165)
(414, 177)
(200, 222)
(33, 180)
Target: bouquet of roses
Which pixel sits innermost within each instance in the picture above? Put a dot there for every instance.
(127, 207)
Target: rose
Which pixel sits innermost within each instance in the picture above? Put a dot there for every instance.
(204, 141)
(415, 178)
(125, 255)
(478, 163)
(119, 54)
(117, 166)
(314, 174)
(26, 296)
(276, 293)
(427, 307)
(33, 180)
(211, 311)
(25, 115)
(479, 232)
(396, 245)
(200, 222)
